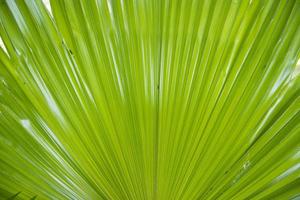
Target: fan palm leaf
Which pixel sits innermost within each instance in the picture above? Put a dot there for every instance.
(150, 99)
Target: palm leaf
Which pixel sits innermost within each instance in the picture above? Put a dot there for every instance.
(150, 99)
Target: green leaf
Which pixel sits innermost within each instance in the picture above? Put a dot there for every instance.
(150, 99)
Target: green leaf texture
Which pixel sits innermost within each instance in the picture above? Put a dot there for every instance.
(150, 99)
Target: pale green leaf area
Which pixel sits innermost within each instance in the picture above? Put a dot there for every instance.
(150, 99)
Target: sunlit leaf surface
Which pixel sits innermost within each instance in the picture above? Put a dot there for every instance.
(150, 99)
